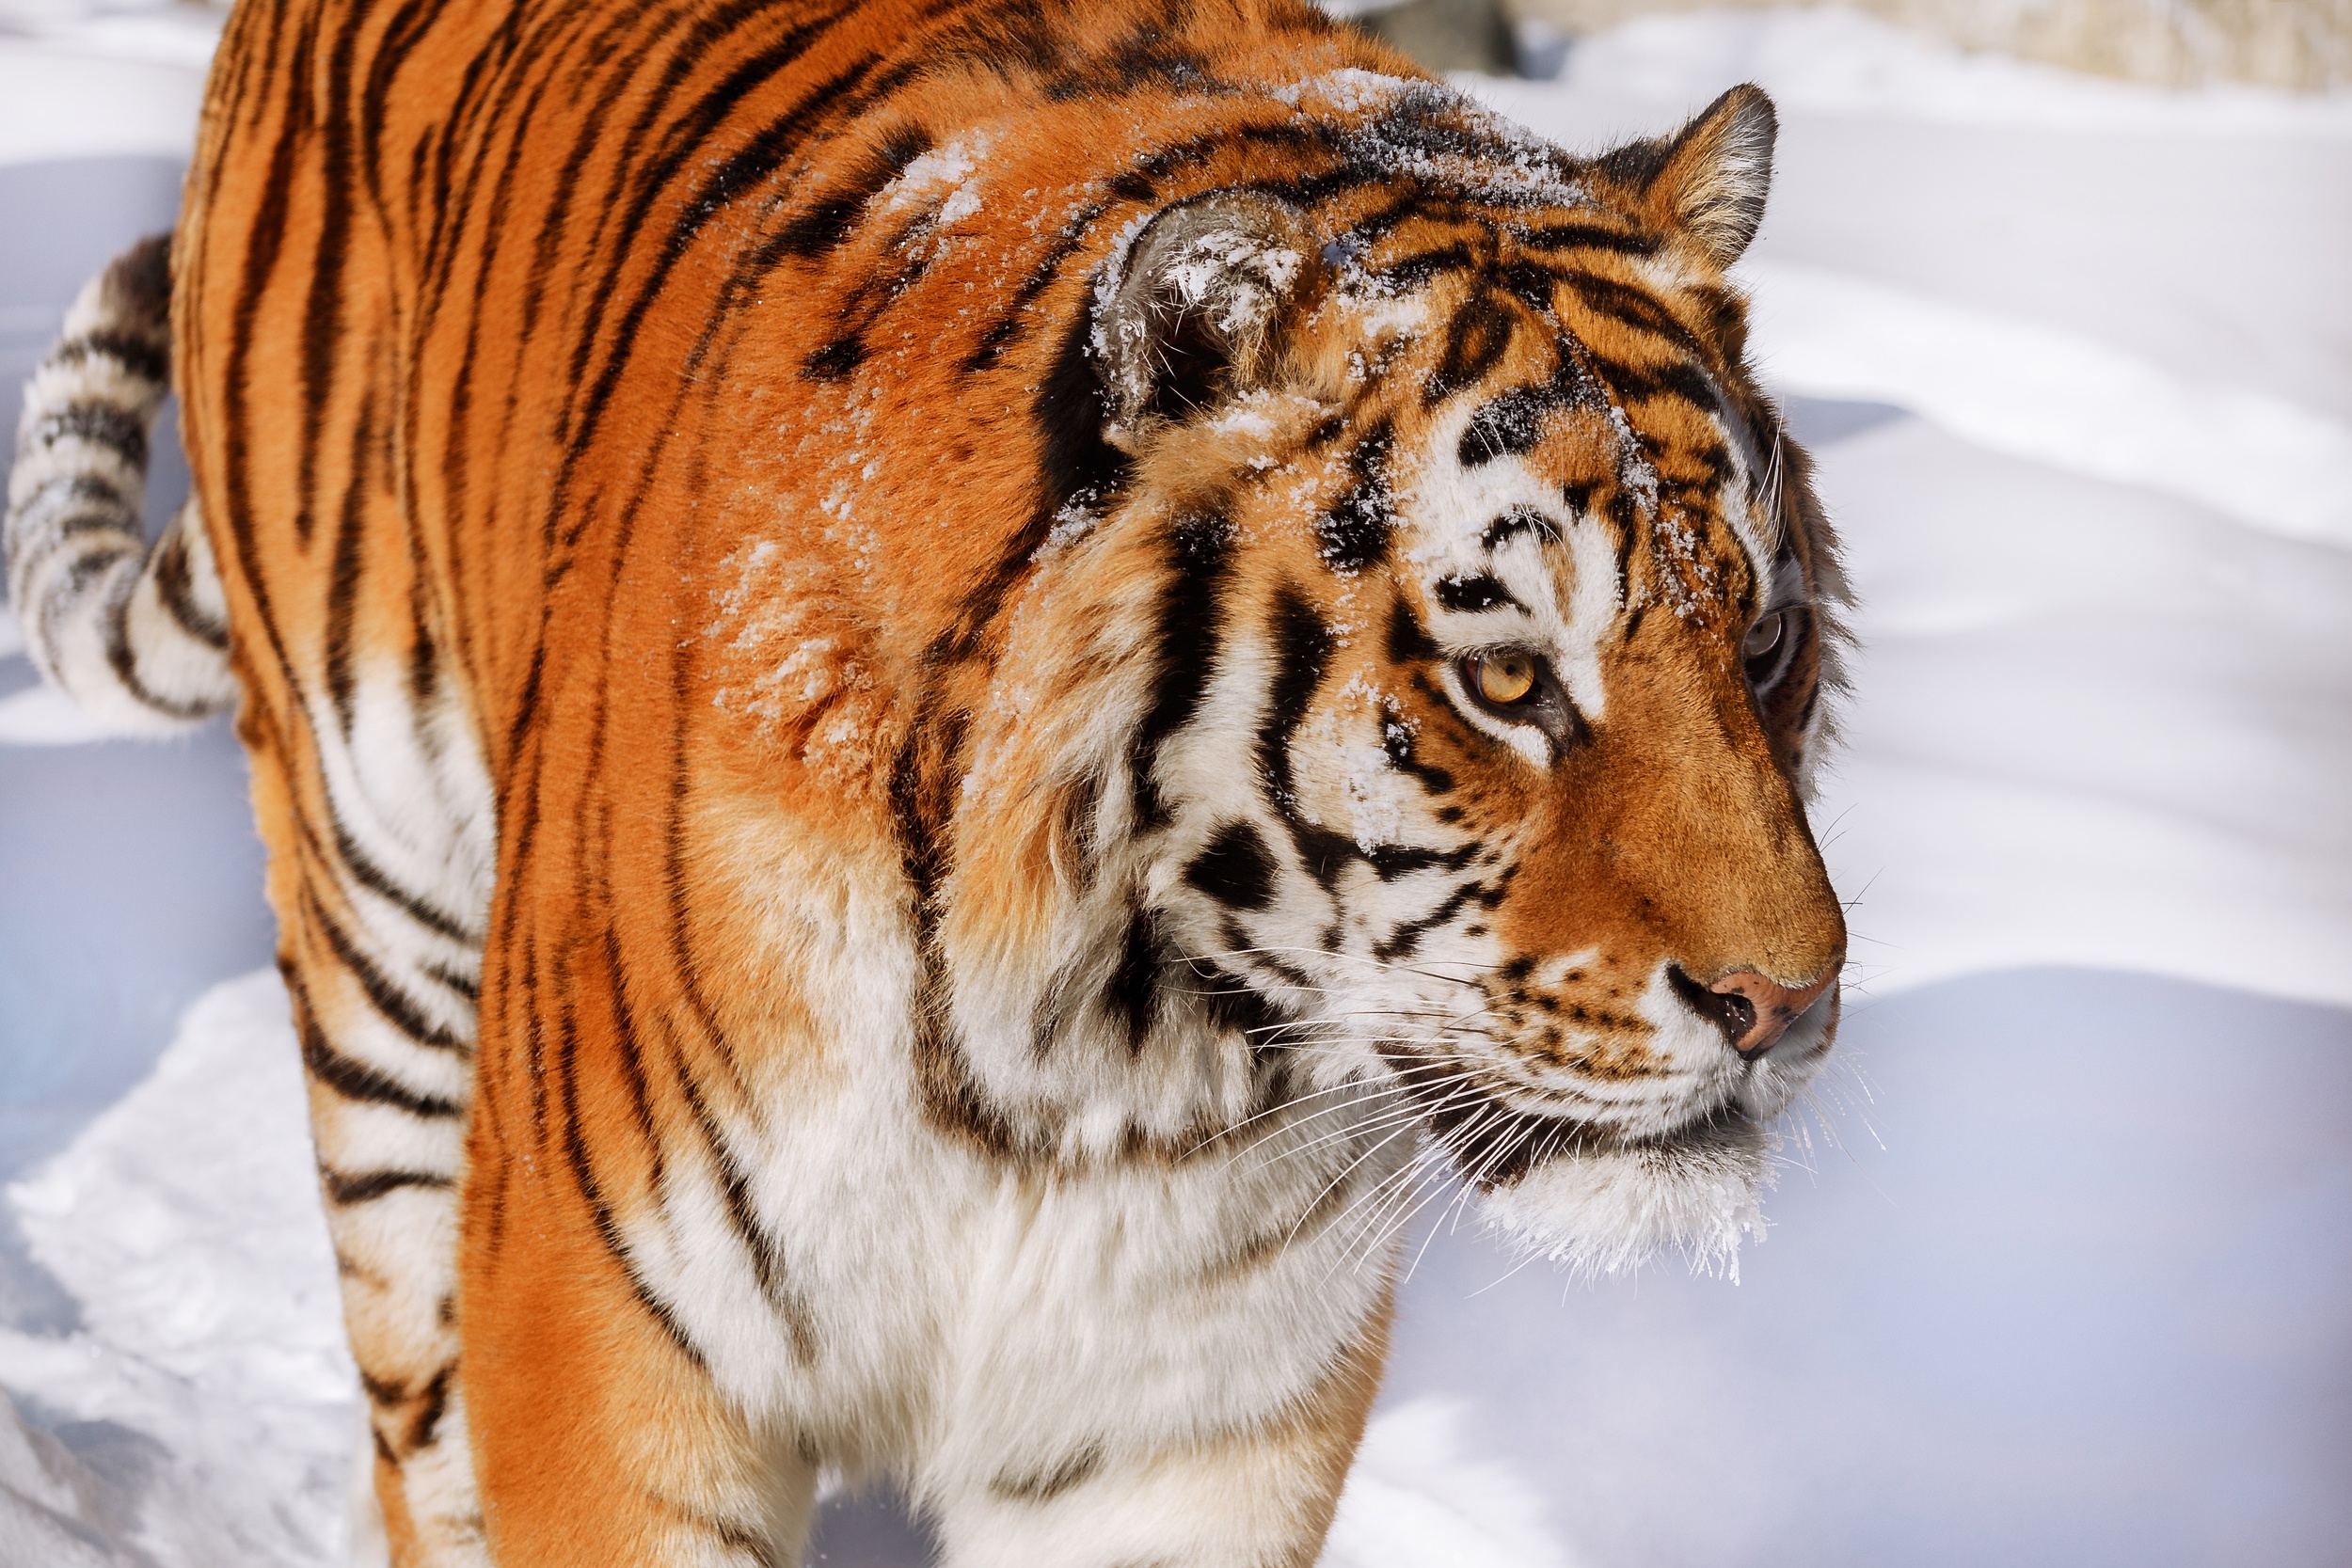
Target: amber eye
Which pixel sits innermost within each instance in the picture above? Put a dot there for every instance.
(1502, 679)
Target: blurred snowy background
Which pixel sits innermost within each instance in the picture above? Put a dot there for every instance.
(2062, 1265)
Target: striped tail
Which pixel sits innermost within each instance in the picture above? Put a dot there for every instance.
(137, 636)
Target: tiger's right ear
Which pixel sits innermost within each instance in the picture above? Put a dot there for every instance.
(1708, 180)
(1194, 311)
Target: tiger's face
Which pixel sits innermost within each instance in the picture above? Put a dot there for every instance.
(1410, 740)
(1491, 790)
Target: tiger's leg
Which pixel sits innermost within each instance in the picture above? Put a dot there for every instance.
(381, 975)
(615, 1326)
(601, 1438)
(1257, 1495)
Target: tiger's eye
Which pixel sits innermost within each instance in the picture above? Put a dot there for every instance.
(1505, 678)
(1762, 639)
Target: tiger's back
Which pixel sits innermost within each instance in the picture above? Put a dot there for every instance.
(855, 698)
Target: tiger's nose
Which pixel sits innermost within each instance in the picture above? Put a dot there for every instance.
(1751, 1009)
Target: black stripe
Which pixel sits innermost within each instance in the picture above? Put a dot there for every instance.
(1522, 519)
(1409, 643)
(432, 1405)
(1302, 651)
(1572, 235)
(1630, 307)
(825, 224)
(1236, 868)
(1476, 592)
(1511, 425)
(1405, 940)
(388, 999)
(1475, 340)
(141, 357)
(343, 573)
(1013, 321)
(1187, 635)
(343, 1189)
(376, 880)
(584, 1177)
(1397, 741)
(356, 1080)
(1074, 464)
(84, 488)
(1132, 995)
(740, 173)
(175, 589)
(99, 423)
(1354, 533)
(122, 653)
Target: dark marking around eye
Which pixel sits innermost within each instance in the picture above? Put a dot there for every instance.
(1235, 869)
(1479, 592)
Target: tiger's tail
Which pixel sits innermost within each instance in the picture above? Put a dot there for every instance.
(136, 634)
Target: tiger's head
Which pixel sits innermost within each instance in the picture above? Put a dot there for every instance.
(1460, 633)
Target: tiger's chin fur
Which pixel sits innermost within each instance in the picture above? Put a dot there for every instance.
(936, 689)
(1608, 1212)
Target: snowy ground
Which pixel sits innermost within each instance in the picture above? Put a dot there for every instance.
(2066, 1281)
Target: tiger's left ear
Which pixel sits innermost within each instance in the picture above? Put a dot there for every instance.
(1196, 311)
(1710, 178)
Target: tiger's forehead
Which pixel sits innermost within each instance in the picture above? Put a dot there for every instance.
(1512, 406)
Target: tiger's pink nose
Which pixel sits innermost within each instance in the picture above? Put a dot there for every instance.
(1752, 1010)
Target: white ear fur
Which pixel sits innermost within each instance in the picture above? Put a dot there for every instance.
(1194, 310)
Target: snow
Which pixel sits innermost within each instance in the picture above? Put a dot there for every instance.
(2057, 398)
(1831, 60)
(209, 1328)
(44, 716)
(2077, 363)
(111, 86)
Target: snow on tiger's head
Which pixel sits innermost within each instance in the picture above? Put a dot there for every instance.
(1454, 660)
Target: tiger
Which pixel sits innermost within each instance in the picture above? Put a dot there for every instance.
(947, 698)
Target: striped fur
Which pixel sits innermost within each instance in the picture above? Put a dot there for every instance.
(137, 636)
(944, 691)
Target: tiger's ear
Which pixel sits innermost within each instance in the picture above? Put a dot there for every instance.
(1710, 178)
(1196, 311)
